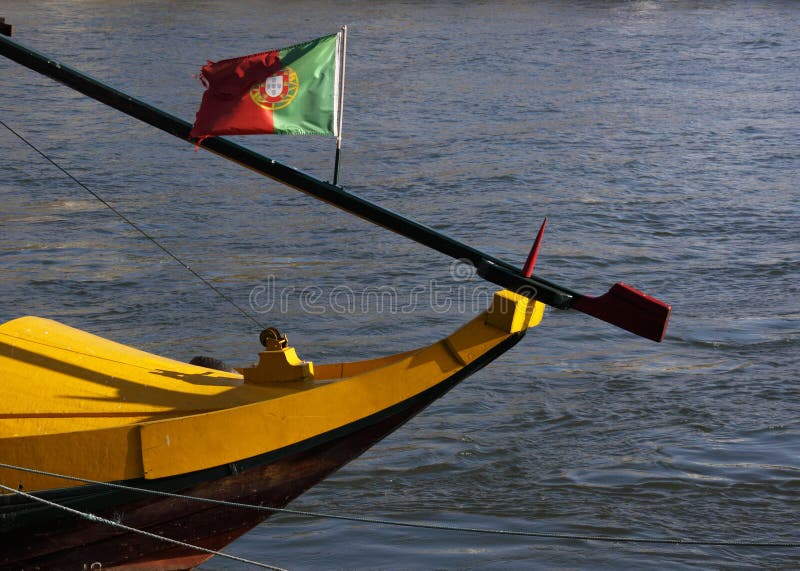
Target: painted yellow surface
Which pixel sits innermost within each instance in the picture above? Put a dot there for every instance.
(278, 365)
(513, 312)
(78, 404)
(60, 379)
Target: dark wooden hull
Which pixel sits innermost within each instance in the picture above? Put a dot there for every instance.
(40, 538)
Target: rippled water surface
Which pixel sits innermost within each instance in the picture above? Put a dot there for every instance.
(662, 140)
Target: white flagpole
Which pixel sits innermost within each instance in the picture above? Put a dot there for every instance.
(342, 48)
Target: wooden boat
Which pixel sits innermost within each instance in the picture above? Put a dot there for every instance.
(78, 404)
(81, 406)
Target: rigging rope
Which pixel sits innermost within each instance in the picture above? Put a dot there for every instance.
(97, 519)
(433, 526)
(136, 227)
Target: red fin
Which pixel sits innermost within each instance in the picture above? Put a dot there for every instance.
(527, 269)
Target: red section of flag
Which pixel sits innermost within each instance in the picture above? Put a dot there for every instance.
(227, 108)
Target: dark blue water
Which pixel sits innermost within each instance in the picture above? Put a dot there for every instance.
(662, 140)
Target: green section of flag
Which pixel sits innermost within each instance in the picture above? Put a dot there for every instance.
(313, 109)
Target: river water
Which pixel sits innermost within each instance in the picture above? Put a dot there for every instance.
(661, 140)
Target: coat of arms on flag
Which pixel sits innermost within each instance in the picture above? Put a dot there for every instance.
(295, 91)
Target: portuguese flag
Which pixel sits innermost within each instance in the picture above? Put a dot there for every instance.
(293, 91)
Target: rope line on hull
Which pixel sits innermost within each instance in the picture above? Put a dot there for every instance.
(98, 519)
(422, 525)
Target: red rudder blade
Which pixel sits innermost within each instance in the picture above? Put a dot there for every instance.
(630, 309)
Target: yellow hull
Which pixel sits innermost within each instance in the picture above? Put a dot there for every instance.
(78, 404)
